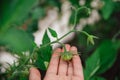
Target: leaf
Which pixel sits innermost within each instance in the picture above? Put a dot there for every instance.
(44, 55)
(32, 27)
(102, 59)
(17, 40)
(108, 53)
(45, 39)
(44, 52)
(46, 48)
(97, 78)
(16, 12)
(52, 32)
(40, 63)
(38, 13)
(92, 66)
(107, 9)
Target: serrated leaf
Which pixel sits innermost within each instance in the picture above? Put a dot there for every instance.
(40, 63)
(46, 38)
(44, 52)
(52, 32)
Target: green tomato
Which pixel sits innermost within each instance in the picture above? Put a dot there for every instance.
(66, 56)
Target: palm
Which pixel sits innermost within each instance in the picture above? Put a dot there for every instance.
(61, 70)
(56, 77)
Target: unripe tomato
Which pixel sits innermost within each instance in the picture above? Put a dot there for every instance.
(66, 56)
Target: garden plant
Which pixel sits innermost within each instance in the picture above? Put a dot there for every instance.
(98, 44)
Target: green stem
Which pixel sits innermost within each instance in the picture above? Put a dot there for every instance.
(62, 46)
(84, 33)
(76, 13)
(64, 36)
(26, 61)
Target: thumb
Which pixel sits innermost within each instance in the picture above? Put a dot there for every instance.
(34, 74)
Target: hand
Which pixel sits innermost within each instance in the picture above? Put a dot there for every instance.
(59, 69)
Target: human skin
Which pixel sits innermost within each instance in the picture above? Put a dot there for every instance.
(59, 69)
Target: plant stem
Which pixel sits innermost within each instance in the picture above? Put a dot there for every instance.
(76, 13)
(62, 46)
(64, 36)
(26, 61)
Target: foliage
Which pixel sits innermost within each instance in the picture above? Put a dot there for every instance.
(18, 20)
(101, 60)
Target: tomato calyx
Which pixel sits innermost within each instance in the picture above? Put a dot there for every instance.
(67, 55)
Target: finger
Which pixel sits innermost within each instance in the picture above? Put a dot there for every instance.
(77, 66)
(63, 64)
(34, 74)
(53, 66)
(70, 69)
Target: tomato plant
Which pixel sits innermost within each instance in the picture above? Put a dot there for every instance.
(18, 22)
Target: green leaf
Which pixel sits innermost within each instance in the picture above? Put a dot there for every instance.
(44, 55)
(38, 13)
(92, 66)
(102, 59)
(40, 63)
(97, 78)
(107, 8)
(16, 12)
(44, 52)
(53, 32)
(17, 40)
(108, 53)
(46, 48)
(46, 38)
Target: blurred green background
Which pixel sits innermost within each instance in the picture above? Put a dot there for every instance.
(19, 20)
